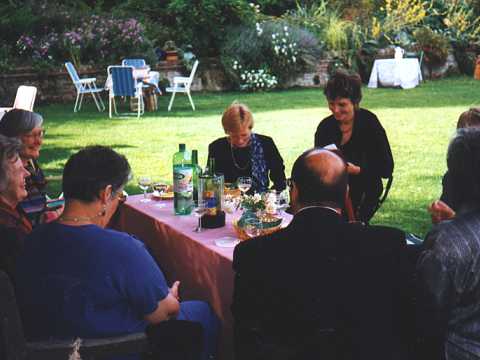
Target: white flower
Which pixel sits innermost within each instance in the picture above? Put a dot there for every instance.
(273, 36)
(286, 34)
(285, 28)
(294, 59)
(242, 76)
(284, 40)
(257, 197)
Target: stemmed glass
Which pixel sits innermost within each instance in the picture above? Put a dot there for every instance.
(252, 227)
(144, 182)
(283, 202)
(198, 211)
(244, 184)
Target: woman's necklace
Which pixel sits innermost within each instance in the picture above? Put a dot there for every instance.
(235, 161)
(76, 219)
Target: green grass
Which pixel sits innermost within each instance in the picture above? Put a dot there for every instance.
(419, 124)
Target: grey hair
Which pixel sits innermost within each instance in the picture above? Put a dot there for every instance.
(17, 122)
(9, 151)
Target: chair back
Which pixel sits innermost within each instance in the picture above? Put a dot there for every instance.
(25, 97)
(136, 63)
(123, 83)
(192, 73)
(12, 341)
(73, 73)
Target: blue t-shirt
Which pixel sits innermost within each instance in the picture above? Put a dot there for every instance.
(86, 281)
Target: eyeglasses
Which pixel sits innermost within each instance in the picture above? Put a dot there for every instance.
(38, 135)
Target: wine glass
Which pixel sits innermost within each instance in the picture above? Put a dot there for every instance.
(244, 184)
(252, 227)
(198, 211)
(283, 201)
(144, 182)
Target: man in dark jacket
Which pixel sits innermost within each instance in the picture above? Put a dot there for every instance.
(321, 288)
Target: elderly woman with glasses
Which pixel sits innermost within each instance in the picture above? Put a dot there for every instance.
(78, 278)
(27, 127)
(245, 153)
(14, 224)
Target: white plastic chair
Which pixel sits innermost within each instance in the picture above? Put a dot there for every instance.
(84, 86)
(181, 84)
(24, 99)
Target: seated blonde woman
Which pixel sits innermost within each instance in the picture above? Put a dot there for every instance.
(245, 153)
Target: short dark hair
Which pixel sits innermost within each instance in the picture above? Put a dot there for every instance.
(469, 118)
(91, 169)
(344, 85)
(312, 187)
(9, 151)
(463, 161)
(17, 122)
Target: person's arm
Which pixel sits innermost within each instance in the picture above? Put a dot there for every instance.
(327, 133)
(435, 296)
(379, 158)
(276, 165)
(167, 308)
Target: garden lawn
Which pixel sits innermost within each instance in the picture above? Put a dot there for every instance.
(418, 122)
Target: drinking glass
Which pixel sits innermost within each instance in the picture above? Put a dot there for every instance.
(144, 182)
(244, 184)
(283, 201)
(198, 211)
(252, 227)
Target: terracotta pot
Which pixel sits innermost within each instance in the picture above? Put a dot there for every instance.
(171, 55)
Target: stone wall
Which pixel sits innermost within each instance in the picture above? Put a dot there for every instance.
(56, 86)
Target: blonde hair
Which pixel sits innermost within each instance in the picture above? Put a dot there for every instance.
(469, 118)
(236, 117)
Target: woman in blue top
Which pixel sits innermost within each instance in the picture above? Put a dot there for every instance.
(77, 278)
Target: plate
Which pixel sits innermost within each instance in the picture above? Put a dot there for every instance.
(162, 196)
(227, 242)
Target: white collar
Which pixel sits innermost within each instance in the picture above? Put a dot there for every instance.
(336, 211)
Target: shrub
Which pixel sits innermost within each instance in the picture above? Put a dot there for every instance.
(273, 47)
(434, 45)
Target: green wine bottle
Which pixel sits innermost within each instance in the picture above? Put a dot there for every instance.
(182, 181)
(197, 171)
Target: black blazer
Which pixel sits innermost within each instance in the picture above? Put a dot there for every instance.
(221, 151)
(323, 276)
(368, 148)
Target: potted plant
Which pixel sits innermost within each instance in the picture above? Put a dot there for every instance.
(171, 51)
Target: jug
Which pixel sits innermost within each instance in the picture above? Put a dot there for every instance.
(399, 53)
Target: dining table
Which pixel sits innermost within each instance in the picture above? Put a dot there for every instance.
(404, 73)
(203, 268)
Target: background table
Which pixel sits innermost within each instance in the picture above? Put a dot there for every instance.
(404, 72)
(204, 269)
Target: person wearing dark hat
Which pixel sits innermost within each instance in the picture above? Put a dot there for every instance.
(26, 126)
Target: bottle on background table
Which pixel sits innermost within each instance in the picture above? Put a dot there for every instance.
(197, 171)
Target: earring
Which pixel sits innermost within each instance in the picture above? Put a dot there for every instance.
(104, 211)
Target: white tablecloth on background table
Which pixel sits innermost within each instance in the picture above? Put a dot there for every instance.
(405, 73)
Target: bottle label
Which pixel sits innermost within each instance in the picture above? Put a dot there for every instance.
(182, 180)
(210, 202)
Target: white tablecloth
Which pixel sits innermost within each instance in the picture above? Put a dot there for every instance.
(405, 73)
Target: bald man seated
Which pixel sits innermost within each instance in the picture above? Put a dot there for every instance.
(321, 288)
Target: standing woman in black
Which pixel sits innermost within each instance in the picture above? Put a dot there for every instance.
(245, 153)
(358, 134)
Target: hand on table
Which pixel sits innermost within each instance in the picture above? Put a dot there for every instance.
(439, 211)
